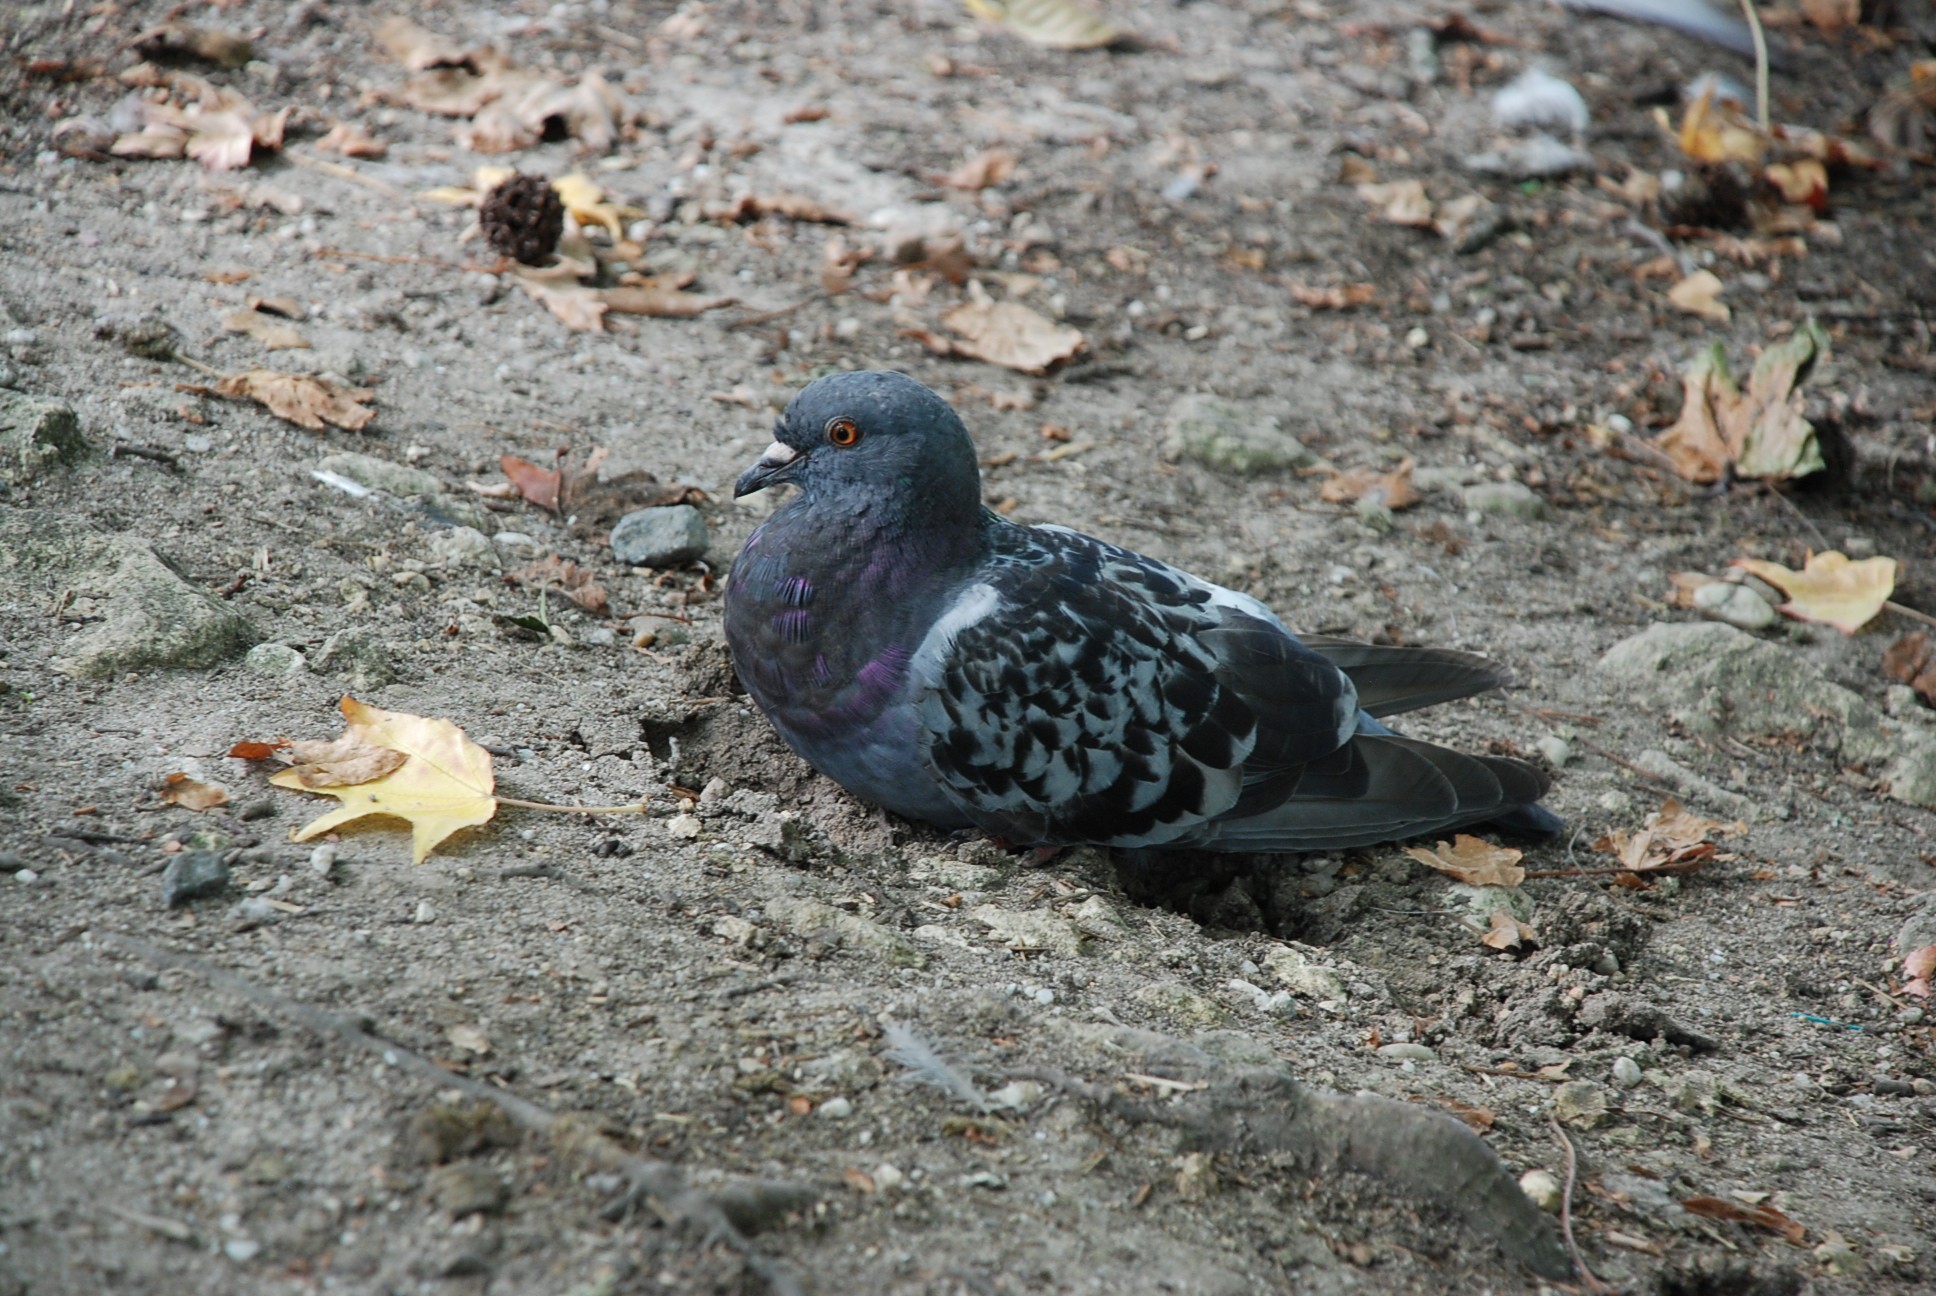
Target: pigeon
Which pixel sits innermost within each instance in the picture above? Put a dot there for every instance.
(1051, 689)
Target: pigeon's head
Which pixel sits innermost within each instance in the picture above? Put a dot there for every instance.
(877, 433)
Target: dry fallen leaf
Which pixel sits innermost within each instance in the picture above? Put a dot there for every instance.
(178, 789)
(1766, 1217)
(468, 1038)
(1918, 966)
(659, 296)
(1008, 334)
(990, 167)
(1056, 24)
(1473, 861)
(509, 107)
(1334, 296)
(1715, 130)
(1830, 589)
(576, 583)
(184, 116)
(1911, 660)
(1759, 432)
(1400, 202)
(575, 305)
(1700, 294)
(585, 203)
(338, 762)
(418, 48)
(303, 400)
(838, 263)
(266, 329)
(1508, 933)
(351, 140)
(1673, 840)
(793, 206)
(1804, 181)
(444, 784)
(1392, 489)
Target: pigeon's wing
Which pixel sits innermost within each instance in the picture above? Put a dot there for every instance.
(1391, 680)
(1077, 692)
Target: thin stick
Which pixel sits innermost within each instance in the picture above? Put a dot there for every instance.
(1761, 62)
(1566, 1211)
(1911, 613)
(349, 173)
(637, 807)
(657, 1182)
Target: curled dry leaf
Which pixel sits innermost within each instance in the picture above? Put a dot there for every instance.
(1006, 333)
(338, 762)
(1333, 296)
(1762, 1216)
(1918, 966)
(1056, 24)
(660, 296)
(1759, 432)
(444, 783)
(990, 167)
(1700, 294)
(1392, 489)
(304, 400)
(1673, 840)
(585, 203)
(351, 140)
(1508, 932)
(1831, 589)
(838, 263)
(1473, 861)
(1911, 660)
(418, 48)
(266, 329)
(178, 789)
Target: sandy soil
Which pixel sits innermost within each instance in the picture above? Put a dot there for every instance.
(709, 984)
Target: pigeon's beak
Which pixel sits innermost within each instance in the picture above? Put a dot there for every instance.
(769, 470)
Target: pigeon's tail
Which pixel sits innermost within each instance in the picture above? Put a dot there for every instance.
(1380, 788)
(1392, 680)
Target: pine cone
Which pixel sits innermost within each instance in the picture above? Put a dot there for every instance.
(522, 218)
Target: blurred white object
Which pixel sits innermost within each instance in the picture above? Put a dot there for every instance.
(1721, 25)
(1539, 100)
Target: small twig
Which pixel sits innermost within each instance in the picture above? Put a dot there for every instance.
(767, 317)
(349, 173)
(122, 450)
(1795, 508)
(1911, 613)
(636, 807)
(1566, 1211)
(1761, 62)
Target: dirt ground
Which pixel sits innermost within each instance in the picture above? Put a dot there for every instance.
(713, 985)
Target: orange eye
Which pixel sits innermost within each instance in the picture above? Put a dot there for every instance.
(843, 432)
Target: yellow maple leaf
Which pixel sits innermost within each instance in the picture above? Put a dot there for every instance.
(1057, 24)
(444, 783)
(1473, 861)
(1830, 588)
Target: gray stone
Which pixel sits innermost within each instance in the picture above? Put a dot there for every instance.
(359, 655)
(192, 874)
(464, 546)
(1580, 1103)
(36, 432)
(660, 537)
(1919, 929)
(1737, 605)
(1231, 438)
(1716, 679)
(147, 614)
(275, 659)
(1626, 1072)
(467, 1188)
(396, 479)
(1505, 499)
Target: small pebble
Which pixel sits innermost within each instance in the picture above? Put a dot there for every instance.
(1626, 1072)
(839, 1108)
(425, 913)
(660, 537)
(685, 825)
(191, 875)
(1542, 1189)
(322, 860)
(1737, 605)
(241, 1249)
(1555, 749)
(26, 875)
(1407, 1052)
